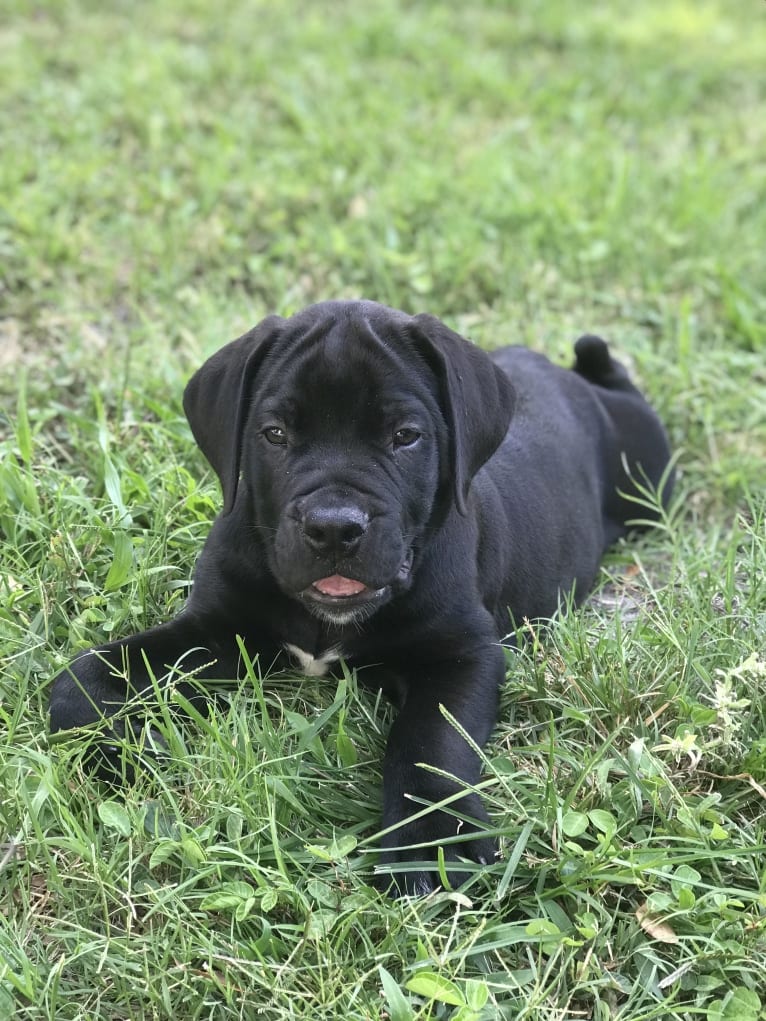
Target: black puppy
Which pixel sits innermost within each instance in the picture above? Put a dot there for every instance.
(392, 496)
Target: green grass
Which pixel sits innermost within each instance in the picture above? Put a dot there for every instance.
(527, 171)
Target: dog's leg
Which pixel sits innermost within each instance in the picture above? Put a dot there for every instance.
(109, 684)
(468, 691)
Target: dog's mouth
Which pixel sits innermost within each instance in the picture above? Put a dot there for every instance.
(341, 598)
(338, 587)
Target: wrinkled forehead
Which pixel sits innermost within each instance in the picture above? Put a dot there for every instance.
(348, 365)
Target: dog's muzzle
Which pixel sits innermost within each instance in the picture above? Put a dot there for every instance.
(340, 600)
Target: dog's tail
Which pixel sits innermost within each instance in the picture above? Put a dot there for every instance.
(594, 363)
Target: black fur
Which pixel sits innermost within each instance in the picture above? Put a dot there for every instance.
(359, 446)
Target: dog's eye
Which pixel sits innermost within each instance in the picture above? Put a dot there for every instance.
(406, 437)
(275, 435)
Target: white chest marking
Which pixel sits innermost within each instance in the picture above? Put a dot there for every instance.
(313, 666)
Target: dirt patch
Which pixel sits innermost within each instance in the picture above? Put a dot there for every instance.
(11, 353)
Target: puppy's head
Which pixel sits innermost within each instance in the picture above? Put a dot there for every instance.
(344, 435)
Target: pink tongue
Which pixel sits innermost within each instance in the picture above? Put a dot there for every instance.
(337, 585)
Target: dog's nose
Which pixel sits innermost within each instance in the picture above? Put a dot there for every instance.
(334, 529)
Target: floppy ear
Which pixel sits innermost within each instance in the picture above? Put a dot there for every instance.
(217, 402)
(477, 399)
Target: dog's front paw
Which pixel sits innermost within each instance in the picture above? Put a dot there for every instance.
(120, 750)
(420, 854)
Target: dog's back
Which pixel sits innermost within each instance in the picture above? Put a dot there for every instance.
(643, 443)
(610, 413)
(582, 445)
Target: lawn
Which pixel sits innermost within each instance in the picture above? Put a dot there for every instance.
(527, 171)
